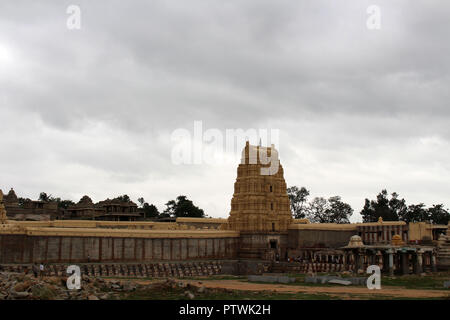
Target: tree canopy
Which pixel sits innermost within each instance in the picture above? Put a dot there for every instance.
(298, 198)
(395, 209)
(124, 198)
(387, 209)
(319, 210)
(183, 207)
(331, 210)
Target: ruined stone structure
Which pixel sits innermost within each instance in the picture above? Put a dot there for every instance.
(2, 209)
(112, 210)
(29, 210)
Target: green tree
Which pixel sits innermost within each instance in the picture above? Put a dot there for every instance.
(125, 198)
(150, 211)
(439, 215)
(182, 207)
(23, 201)
(316, 210)
(415, 213)
(333, 210)
(397, 206)
(298, 198)
(64, 204)
(338, 211)
(387, 209)
(141, 202)
(43, 196)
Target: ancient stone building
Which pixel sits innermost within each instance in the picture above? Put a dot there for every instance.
(260, 207)
(85, 208)
(2, 209)
(112, 210)
(29, 210)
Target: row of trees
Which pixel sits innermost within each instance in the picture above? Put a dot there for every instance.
(318, 210)
(388, 208)
(394, 209)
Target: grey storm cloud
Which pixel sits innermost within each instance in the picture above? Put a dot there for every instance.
(92, 110)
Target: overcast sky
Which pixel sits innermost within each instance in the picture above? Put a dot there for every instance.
(91, 111)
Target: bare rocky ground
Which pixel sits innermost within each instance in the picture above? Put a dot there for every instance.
(19, 286)
(15, 286)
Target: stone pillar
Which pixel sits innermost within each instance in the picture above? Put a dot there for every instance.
(419, 261)
(356, 262)
(379, 259)
(344, 261)
(362, 260)
(433, 262)
(404, 260)
(373, 258)
(391, 261)
(385, 262)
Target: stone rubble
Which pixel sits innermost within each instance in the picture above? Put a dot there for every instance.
(19, 286)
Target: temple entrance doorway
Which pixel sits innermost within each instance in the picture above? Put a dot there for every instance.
(273, 244)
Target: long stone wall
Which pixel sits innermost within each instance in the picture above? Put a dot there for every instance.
(52, 249)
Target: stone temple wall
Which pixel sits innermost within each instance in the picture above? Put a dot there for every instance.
(20, 248)
(316, 238)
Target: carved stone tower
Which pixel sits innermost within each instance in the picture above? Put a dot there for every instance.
(2, 209)
(260, 208)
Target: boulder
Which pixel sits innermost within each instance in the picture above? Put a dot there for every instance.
(201, 289)
(22, 286)
(189, 295)
(338, 281)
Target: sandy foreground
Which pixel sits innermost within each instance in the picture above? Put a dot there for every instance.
(341, 292)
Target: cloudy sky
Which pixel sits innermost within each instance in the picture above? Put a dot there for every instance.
(92, 111)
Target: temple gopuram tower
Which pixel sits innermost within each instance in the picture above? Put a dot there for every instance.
(260, 208)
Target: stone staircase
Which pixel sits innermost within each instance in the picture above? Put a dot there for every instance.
(150, 270)
(443, 253)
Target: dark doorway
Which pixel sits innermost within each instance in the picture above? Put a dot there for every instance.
(273, 244)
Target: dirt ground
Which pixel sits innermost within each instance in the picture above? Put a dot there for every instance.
(341, 292)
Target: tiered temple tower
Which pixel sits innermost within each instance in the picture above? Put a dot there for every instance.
(260, 208)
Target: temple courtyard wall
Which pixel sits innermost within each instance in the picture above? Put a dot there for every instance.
(324, 235)
(37, 246)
